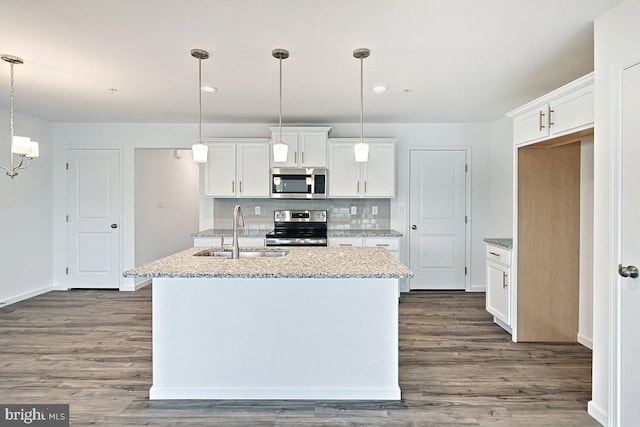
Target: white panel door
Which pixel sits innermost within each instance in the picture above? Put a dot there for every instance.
(629, 297)
(93, 226)
(437, 209)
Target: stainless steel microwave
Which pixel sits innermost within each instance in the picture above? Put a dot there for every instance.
(298, 183)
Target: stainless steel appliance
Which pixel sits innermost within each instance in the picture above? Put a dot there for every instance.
(298, 228)
(299, 183)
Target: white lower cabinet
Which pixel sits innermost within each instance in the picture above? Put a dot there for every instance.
(499, 285)
(391, 244)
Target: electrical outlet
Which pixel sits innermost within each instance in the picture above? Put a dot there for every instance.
(374, 210)
(160, 204)
(257, 209)
(354, 210)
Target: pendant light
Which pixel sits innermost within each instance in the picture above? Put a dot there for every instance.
(280, 149)
(199, 150)
(361, 150)
(21, 146)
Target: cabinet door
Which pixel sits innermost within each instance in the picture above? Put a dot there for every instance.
(220, 170)
(252, 170)
(312, 149)
(499, 292)
(531, 125)
(344, 171)
(572, 111)
(291, 139)
(379, 171)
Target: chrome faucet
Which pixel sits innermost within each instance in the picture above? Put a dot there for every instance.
(237, 215)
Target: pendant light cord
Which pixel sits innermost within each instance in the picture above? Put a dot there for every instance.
(280, 61)
(200, 99)
(11, 106)
(361, 101)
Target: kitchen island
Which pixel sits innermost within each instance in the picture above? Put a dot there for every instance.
(316, 323)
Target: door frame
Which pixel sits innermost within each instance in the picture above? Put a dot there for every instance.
(407, 243)
(615, 242)
(63, 196)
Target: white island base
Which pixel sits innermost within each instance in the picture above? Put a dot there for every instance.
(275, 338)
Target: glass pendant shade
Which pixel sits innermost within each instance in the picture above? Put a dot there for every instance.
(200, 152)
(280, 151)
(361, 151)
(34, 152)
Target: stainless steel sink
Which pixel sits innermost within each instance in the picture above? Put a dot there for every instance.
(243, 253)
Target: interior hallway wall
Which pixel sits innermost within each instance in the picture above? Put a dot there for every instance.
(166, 202)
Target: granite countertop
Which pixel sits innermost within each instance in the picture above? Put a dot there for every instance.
(501, 243)
(300, 262)
(254, 232)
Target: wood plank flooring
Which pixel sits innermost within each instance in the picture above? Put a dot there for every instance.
(92, 349)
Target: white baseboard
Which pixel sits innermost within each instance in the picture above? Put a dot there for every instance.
(585, 341)
(597, 413)
(24, 296)
(138, 284)
(477, 288)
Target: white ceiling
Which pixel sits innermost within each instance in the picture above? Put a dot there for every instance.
(443, 60)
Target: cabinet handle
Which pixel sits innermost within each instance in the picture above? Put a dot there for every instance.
(365, 187)
(550, 110)
(494, 254)
(358, 187)
(295, 157)
(540, 116)
(241, 186)
(303, 157)
(345, 244)
(382, 244)
(504, 280)
(233, 186)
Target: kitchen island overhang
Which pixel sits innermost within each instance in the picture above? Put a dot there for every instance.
(274, 328)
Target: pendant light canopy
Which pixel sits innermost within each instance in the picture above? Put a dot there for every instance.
(199, 150)
(280, 149)
(21, 146)
(361, 150)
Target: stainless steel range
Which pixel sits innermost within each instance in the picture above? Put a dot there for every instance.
(298, 228)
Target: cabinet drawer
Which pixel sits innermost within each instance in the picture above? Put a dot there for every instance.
(497, 254)
(390, 244)
(344, 241)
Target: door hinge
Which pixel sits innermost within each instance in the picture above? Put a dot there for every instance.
(66, 270)
(67, 165)
(465, 271)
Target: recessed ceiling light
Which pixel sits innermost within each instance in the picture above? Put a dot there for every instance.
(379, 89)
(209, 89)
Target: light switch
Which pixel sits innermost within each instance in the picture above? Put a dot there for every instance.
(374, 210)
(160, 204)
(353, 210)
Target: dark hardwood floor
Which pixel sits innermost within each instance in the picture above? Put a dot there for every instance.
(92, 349)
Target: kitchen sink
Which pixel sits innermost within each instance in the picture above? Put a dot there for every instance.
(243, 253)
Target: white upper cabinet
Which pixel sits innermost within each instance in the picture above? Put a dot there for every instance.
(564, 111)
(307, 146)
(372, 179)
(237, 168)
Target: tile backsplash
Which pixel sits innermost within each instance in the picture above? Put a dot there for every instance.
(338, 210)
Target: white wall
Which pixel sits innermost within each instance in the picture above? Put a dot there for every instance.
(501, 213)
(131, 136)
(166, 202)
(26, 215)
(616, 37)
(585, 314)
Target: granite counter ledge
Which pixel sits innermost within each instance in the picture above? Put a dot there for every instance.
(506, 243)
(300, 262)
(363, 233)
(227, 232)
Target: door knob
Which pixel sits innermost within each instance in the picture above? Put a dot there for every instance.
(630, 271)
(414, 227)
(114, 225)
